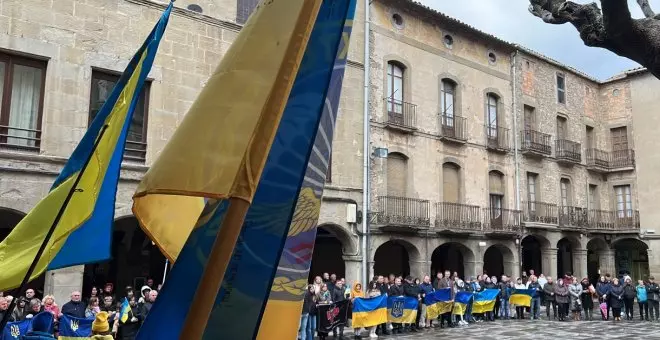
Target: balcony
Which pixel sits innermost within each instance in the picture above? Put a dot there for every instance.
(401, 116)
(402, 213)
(501, 221)
(602, 161)
(540, 212)
(613, 221)
(497, 138)
(568, 152)
(453, 129)
(622, 160)
(14, 138)
(535, 144)
(455, 217)
(598, 160)
(572, 217)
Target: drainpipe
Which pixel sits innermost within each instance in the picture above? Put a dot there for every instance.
(516, 160)
(366, 147)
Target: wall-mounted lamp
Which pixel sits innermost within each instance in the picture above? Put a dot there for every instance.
(380, 152)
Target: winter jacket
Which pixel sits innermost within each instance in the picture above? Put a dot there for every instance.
(75, 309)
(653, 291)
(603, 288)
(128, 330)
(384, 288)
(616, 300)
(426, 288)
(641, 293)
(396, 290)
(549, 290)
(536, 287)
(411, 289)
(338, 294)
(561, 294)
(308, 301)
(587, 301)
(629, 291)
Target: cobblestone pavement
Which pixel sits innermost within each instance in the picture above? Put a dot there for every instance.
(540, 329)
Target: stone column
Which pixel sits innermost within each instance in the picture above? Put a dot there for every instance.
(473, 268)
(606, 262)
(654, 265)
(549, 261)
(580, 263)
(62, 282)
(353, 266)
(417, 269)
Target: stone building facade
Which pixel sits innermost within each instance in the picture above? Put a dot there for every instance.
(469, 169)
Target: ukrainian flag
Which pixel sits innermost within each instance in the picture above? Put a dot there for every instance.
(402, 309)
(461, 301)
(438, 303)
(522, 297)
(221, 153)
(71, 328)
(369, 312)
(484, 301)
(83, 234)
(123, 312)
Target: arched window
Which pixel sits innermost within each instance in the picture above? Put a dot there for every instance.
(566, 192)
(450, 183)
(395, 73)
(448, 101)
(397, 174)
(492, 119)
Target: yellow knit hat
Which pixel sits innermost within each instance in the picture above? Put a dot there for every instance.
(100, 324)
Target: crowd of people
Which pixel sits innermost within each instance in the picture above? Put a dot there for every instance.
(565, 299)
(100, 303)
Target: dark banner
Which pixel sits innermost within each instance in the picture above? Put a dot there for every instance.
(332, 315)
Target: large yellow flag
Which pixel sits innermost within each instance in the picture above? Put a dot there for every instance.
(221, 146)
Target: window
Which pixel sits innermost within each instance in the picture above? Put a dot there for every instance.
(394, 87)
(561, 128)
(531, 190)
(565, 188)
(447, 102)
(21, 99)
(244, 8)
(492, 102)
(590, 137)
(623, 201)
(561, 89)
(450, 181)
(530, 118)
(136, 141)
(496, 196)
(396, 174)
(594, 200)
(448, 40)
(619, 138)
(397, 20)
(492, 58)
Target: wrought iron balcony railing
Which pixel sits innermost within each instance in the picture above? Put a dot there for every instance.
(603, 161)
(536, 143)
(402, 211)
(497, 220)
(401, 114)
(622, 159)
(19, 138)
(606, 220)
(568, 151)
(459, 217)
(540, 212)
(573, 217)
(497, 138)
(453, 128)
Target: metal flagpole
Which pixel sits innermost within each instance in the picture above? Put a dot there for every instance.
(51, 231)
(167, 262)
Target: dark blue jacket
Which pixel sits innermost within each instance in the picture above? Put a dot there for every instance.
(426, 288)
(75, 309)
(603, 288)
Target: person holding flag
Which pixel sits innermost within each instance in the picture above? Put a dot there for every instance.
(129, 319)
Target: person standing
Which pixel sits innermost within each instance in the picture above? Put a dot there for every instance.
(561, 296)
(629, 294)
(338, 296)
(425, 288)
(616, 299)
(587, 299)
(536, 297)
(653, 296)
(575, 294)
(549, 292)
(603, 288)
(308, 312)
(520, 310)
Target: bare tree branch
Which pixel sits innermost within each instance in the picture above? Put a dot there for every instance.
(613, 28)
(646, 8)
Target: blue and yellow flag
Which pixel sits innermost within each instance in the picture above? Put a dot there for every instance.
(484, 301)
(16, 330)
(522, 297)
(84, 232)
(237, 130)
(280, 318)
(125, 309)
(461, 301)
(369, 312)
(438, 302)
(402, 309)
(72, 328)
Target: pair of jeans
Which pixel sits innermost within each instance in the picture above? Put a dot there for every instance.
(653, 309)
(504, 309)
(468, 312)
(548, 304)
(629, 303)
(302, 329)
(536, 307)
(520, 312)
(643, 309)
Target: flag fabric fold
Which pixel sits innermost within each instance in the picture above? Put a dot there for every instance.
(123, 312)
(402, 309)
(369, 312)
(461, 301)
(484, 301)
(183, 199)
(16, 330)
(438, 302)
(84, 232)
(72, 328)
(522, 297)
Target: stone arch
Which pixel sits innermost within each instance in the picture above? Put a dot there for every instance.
(598, 254)
(566, 256)
(499, 260)
(455, 257)
(331, 244)
(631, 257)
(395, 256)
(532, 247)
(348, 243)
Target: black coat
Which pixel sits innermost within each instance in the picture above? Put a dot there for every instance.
(338, 294)
(616, 299)
(629, 291)
(308, 303)
(587, 299)
(75, 309)
(396, 290)
(410, 289)
(129, 330)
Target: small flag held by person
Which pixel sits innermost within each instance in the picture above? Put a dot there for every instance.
(125, 309)
(522, 297)
(461, 301)
(438, 303)
(369, 312)
(402, 309)
(484, 301)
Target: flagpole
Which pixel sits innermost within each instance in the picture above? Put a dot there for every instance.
(167, 262)
(51, 231)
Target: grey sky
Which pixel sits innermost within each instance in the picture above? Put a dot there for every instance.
(510, 20)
